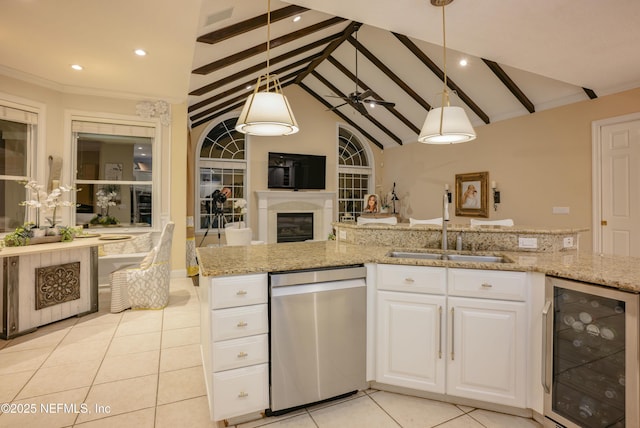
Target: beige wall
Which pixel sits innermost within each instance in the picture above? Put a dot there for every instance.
(173, 140)
(539, 161)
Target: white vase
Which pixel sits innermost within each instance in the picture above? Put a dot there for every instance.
(238, 236)
(38, 232)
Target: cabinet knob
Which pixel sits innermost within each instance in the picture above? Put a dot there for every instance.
(243, 394)
(242, 324)
(242, 354)
(241, 293)
(486, 285)
(409, 280)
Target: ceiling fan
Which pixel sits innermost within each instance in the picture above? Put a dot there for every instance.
(357, 99)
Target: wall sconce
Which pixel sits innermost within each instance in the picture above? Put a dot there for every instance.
(496, 195)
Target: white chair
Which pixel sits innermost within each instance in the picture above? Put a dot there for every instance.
(414, 222)
(505, 222)
(146, 286)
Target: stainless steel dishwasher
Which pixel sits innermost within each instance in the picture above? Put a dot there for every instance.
(318, 335)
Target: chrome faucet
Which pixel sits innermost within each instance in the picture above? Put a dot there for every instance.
(445, 219)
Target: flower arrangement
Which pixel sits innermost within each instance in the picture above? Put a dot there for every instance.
(44, 203)
(105, 200)
(240, 205)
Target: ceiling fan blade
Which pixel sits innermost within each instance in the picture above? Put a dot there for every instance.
(335, 96)
(365, 94)
(380, 103)
(335, 107)
(361, 108)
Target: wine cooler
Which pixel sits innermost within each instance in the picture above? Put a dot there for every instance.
(590, 356)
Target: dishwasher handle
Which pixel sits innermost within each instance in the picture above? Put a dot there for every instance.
(313, 276)
(320, 287)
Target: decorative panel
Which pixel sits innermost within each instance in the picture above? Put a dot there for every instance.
(57, 284)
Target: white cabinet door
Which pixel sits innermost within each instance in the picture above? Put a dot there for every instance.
(486, 353)
(410, 342)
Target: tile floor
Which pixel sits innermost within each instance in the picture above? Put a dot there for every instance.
(143, 369)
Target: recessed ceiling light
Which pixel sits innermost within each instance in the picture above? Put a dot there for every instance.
(297, 18)
(77, 67)
(140, 52)
(464, 62)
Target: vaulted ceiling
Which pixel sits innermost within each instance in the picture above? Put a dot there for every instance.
(522, 56)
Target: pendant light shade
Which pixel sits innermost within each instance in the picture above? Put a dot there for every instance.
(446, 124)
(267, 112)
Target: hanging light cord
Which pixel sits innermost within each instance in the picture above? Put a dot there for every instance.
(445, 95)
(268, 40)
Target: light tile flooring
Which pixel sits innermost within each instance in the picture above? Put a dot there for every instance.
(143, 369)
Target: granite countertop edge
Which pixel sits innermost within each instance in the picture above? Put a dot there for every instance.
(609, 271)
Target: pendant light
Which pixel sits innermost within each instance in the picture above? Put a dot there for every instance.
(446, 124)
(267, 112)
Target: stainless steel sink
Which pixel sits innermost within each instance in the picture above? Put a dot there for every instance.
(472, 258)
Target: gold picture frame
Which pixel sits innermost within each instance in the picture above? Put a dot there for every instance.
(472, 194)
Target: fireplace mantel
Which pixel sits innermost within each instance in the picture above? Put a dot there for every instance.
(271, 202)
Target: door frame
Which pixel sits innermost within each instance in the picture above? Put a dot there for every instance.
(596, 174)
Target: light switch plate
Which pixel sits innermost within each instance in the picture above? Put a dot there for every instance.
(567, 242)
(528, 242)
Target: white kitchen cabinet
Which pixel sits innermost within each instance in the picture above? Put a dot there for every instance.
(468, 340)
(486, 355)
(235, 345)
(410, 343)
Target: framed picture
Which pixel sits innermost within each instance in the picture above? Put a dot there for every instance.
(113, 171)
(371, 203)
(472, 194)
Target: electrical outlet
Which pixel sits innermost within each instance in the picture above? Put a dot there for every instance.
(342, 234)
(567, 242)
(528, 242)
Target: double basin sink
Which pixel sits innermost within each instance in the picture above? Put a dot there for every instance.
(471, 258)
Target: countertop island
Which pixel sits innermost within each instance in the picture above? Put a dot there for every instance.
(611, 271)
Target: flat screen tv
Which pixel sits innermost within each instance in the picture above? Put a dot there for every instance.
(296, 171)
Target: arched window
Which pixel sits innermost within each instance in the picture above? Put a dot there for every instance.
(222, 163)
(355, 175)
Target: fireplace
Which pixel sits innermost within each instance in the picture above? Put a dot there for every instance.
(272, 203)
(294, 227)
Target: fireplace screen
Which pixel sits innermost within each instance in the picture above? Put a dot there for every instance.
(295, 227)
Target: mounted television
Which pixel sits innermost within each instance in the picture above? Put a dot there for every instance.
(296, 171)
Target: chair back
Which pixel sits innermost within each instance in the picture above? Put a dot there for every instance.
(163, 249)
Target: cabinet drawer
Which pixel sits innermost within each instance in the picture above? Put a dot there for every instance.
(240, 391)
(240, 290)
(488, 284)
(246, 351)
(239, 322)
(413, 279)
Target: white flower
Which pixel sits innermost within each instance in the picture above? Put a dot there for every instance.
(42, 200)
(240, 203)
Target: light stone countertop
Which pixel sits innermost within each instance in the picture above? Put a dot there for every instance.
(611, 271)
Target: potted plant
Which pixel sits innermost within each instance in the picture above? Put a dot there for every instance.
(106, 198)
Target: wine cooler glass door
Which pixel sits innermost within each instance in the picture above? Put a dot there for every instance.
(590, 374)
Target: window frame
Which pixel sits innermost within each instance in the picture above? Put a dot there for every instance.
(368, 170)
(35, 158)
(156, 179)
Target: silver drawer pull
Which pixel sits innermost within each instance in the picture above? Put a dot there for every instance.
(242, 354)
(409, 280)
(486, 285)
(243, 394)
(242, 324)
(241, 293)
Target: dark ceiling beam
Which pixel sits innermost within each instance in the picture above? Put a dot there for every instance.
(436, 70)
(351, 28)
(250, 24)
(510, 84)
(244, 85)
(228, 106)
(262, 66)
(390, 74)
(370, 118)
(240, 96)
(590, 93)
(341, 115)
(261, 48)
(366, 87)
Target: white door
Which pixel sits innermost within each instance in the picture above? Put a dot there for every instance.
(620, 189)
(487, 350)
(410, 344)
